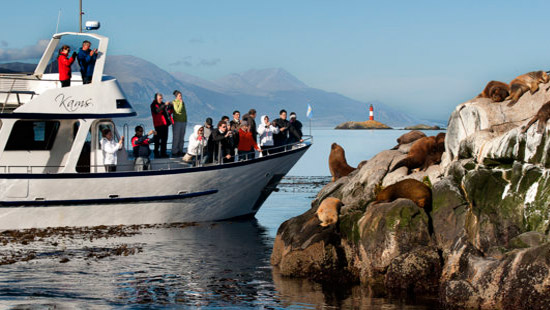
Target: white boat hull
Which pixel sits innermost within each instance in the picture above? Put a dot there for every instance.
(167, 196)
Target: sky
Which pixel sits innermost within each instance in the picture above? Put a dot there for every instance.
(422, 57)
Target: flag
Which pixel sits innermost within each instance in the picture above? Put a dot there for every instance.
(309, 112)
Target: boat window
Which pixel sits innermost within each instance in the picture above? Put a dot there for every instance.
(32, 136)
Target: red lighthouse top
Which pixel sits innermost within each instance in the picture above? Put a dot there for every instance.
(371, 113)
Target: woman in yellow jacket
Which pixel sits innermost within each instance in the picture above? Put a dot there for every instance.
(180, 122)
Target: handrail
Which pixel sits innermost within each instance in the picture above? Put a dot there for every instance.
(163, 165)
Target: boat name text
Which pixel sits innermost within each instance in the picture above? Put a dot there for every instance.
(72, 105)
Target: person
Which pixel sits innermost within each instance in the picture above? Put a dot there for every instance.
(197, 142)
(220, 141)
(235, 123)
(180, 122)
(294, 129)
(246, 143)
(266, 130)
(281, 138)
(250, 118)
(86, 60)
(162, 119)
(64, 65)
(109, 149)
(140, 146)
(207, 127)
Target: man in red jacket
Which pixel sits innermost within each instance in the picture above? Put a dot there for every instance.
(162, 119)
(64, 65)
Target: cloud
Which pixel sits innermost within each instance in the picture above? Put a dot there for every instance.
(3, 43)
(209, 62)
(196, 41)
(186, 61)
(27, 52)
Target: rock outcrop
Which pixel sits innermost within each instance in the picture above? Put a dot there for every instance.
(363, 125)
(485, 242)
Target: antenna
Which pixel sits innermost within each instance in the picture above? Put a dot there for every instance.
(58, 18)
(80, 13)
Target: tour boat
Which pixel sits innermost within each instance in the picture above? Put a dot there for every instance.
(51, 163)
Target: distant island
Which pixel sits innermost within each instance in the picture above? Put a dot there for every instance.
(370, 124)
(423, 127)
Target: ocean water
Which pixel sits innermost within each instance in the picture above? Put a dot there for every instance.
(222, 265)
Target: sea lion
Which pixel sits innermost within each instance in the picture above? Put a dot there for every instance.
(542, 116)
(418, 155)
(526, 82)
(409, 137)
(328, 211)
(337, 163)
(411, 189)
(496, 91)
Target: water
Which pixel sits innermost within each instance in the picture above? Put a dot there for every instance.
(221, 265)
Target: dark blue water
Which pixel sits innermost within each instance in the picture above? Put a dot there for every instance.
(221, 265)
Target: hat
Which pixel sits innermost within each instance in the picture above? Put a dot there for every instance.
(244, 123)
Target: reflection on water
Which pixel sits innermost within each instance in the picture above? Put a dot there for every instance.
(213, 265)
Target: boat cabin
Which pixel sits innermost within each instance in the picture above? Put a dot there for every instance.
(45, 128)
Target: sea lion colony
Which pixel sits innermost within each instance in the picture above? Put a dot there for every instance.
(499, 91)
(424, 152)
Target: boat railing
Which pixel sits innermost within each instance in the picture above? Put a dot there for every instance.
(18, 89)
(158, 165)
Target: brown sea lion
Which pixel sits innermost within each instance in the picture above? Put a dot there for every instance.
(542, 117)
(526, 82)
(409, 137)
(496, 91)
(418, 154)
(328, 211)
(411, 189)
(337, 163)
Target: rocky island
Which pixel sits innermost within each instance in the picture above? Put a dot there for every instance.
(370, 124)
(483, 244)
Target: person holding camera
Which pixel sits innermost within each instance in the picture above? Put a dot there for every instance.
(220, 143)
(86, 60)
(281, 137)
(142, 152)
(162, 119)
(266, 130)
(246, 143)
(64, 65)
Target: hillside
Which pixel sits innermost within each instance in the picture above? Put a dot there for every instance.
(266, 90)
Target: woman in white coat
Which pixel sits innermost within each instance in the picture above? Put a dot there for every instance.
(266, 131)
(110, 148)
(197, 142)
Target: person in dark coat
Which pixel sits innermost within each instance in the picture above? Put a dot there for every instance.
(162, 119)
(294, 130)
(140, 146)
(250, 118)
(220, 141)
(283, 125)
(86, 59)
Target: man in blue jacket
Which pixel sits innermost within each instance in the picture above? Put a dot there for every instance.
(86, 59)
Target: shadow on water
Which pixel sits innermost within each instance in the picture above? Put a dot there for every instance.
(221, 265)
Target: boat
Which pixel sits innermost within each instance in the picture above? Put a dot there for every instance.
(51, 163)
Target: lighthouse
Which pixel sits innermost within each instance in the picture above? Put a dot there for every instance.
(371, 113)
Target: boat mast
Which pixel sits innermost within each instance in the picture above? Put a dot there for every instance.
(80, 17)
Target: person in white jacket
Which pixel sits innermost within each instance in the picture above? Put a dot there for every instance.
(266, 131)
(197, 142)
(110, 149)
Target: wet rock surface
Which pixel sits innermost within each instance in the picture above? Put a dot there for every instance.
(484, 244)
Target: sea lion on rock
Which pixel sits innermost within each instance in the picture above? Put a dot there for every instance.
(526, 82)
(496, 91)
(542, 116)
(337, 163)
(411, 189)
(418, 155)
(409, 137)
(328, 211)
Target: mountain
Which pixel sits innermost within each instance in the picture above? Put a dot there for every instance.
(266, 90)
